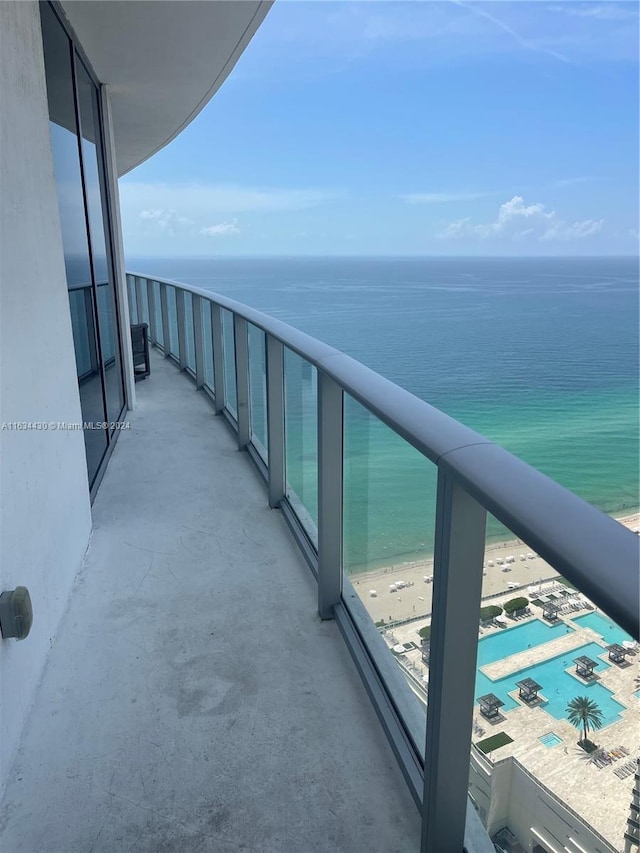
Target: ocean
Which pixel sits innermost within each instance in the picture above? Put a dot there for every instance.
(539, 354)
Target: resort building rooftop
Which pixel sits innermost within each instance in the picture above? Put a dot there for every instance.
(537, 734)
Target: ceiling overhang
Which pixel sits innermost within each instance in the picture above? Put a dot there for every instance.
(163, 60)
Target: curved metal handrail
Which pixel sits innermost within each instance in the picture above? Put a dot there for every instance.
(593, 551)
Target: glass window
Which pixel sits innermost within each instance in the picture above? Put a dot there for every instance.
(97, 215)
(68, 176)
(80, 184)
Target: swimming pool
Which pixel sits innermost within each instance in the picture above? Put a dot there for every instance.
(607, 629)
(558, 686)
(550, 739)
(513, 640)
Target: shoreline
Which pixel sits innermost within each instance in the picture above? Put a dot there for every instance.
(414, 598)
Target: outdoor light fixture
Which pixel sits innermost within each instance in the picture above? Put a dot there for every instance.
(16, 614)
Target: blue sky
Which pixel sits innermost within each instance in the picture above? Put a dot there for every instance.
(408, 128)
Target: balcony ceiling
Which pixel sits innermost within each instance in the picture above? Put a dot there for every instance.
(162, 59)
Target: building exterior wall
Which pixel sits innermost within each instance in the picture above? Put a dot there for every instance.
(507, 795)
(45, 517)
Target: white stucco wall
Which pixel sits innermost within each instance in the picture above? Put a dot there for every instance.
(45, 517)
(506, 795)
(531, 806)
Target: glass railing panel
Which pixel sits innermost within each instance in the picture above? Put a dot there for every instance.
(547, 660)
(189, 331)
(207, 344)
(301, 440)
(389, 496)
(258, 389)
(158, 310)
(108, 323)
(228, 347)
(80, 305)
(173, 321)
(144, 299)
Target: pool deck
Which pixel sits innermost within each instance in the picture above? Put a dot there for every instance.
(598, 795)
(564, 644)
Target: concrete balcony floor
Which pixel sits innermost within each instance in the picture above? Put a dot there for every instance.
(193, 700)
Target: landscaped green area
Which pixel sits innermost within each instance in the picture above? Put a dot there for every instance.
(515, 605)
(490, 612)
(493, 742)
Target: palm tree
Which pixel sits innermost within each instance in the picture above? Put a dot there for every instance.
(584, 712)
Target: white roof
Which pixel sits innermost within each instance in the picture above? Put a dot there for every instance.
(163, 60)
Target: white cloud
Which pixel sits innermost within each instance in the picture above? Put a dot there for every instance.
(517, 221)
(574, 230)
(527, 43)
(221, 229)
(510, 217)
(441, 197)
(608, 11)
(151, 211)
(200, 201)
(321, 38)
(570, 182)
(456, 229)
(165, 221)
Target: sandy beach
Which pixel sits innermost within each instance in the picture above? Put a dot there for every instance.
(414, 598)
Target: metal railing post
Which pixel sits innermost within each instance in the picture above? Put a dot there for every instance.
(164, 308)
(131, 293)
(181, 317)
(241, 348)
(218, 358)
(198, 339)
(151, 302)
(137, 284)
(330, 493)
(275, 421)
(457, 592)
(87, 295)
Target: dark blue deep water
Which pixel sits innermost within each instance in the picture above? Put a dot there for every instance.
(541, 355)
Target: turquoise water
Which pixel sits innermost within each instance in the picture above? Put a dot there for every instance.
(513, 640)
(558, 686)
(540, 355)
(607, 629)
(550, 739)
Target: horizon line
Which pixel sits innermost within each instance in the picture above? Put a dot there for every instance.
(379, 256)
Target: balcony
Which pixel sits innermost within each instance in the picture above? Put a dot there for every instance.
(194, 699)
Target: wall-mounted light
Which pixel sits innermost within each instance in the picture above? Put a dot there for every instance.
(16, 613)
